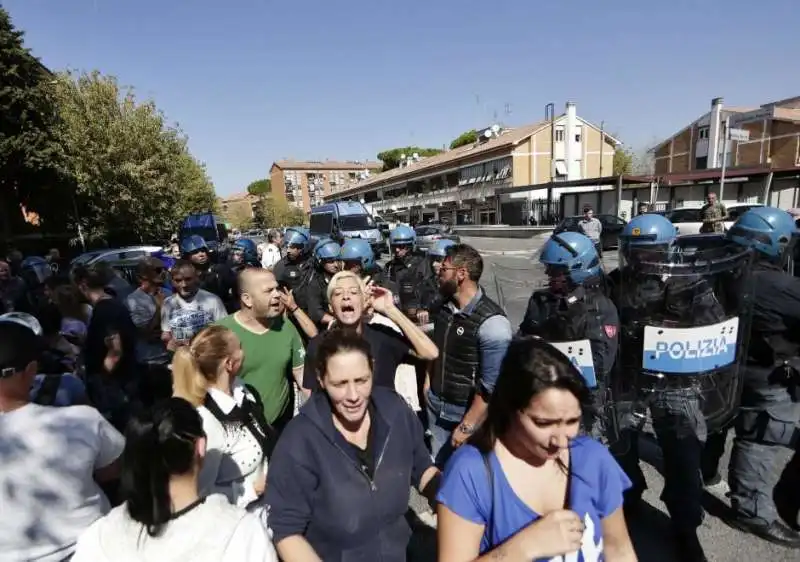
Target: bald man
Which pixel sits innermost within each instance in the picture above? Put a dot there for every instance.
(271, 344)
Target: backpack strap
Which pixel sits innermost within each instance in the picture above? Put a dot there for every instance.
(251, 415)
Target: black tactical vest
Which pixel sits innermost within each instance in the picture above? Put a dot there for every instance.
(458, 368)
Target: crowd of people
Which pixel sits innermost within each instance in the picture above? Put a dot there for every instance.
(281, 404)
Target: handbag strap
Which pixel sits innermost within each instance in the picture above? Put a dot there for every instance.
(487, 463)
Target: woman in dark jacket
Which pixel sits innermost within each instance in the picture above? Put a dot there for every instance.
(339, 484)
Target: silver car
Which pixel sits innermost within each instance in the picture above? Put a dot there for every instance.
(428, 234)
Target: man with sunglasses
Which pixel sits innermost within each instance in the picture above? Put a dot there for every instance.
(575, 315)
(145, 305)
(472, 334)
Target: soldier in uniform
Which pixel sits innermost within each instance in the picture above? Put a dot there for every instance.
(575, 315)
(713, 214)
(770, 405)
(680, 345)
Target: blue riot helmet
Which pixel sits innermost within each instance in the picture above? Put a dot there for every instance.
(249, 250)
(326, 250)
(439, 249)
(192, 244)
(297, 237)
(402, 235)
(767, 230)
(358, 250)
(35, 270)
(648, 230)
(572, 253)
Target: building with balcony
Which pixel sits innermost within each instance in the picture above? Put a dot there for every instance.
(774, 139)
(463, 185)
(238, 209)
(305, 184)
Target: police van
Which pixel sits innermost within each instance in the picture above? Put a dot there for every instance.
(343, 220)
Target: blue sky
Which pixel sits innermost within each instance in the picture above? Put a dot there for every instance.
(253, 81)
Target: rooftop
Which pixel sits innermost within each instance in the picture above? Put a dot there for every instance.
(327, 165)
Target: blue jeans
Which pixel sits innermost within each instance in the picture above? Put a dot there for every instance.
(443, 419)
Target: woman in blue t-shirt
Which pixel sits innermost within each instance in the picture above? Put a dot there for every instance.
(527, 487)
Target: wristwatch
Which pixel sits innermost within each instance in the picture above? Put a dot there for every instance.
(466, 428)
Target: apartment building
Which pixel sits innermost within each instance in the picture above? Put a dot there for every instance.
(460, 185)
(774, 139)
(238, 208)
(304, 184)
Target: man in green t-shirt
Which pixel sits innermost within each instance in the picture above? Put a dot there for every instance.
(273, 350)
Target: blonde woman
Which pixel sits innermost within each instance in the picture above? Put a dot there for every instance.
(239, 438)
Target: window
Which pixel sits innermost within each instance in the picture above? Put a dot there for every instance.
(684, 215)
(703, 133)
(578, 131)
(321, 223)
(561, 168)
(357, 222)
(701, 163)
(560, 134)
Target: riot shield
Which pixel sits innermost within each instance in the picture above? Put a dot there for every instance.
(684, 327)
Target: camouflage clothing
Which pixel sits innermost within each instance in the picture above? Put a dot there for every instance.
(711, 211)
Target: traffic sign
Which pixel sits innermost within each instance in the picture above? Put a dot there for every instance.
(739, 135)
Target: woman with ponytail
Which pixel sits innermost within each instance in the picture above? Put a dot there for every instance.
(239, 438)
(164, 517)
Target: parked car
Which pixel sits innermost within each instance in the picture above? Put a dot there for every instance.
(428, 234)
(612, 228)
(688, 219)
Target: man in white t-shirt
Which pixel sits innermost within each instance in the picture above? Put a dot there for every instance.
(189, 309)
(271, 251)
(51, 460)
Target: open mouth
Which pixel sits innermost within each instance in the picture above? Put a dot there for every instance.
(348, 311)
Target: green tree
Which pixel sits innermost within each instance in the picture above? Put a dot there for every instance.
(391, 157)
(260, 187)
(133, 174)
(469, 137)
(31, 164)
(276, 211)
(623, 161)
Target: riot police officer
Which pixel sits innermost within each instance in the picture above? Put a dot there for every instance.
(326, 257)
(575, 315)
(680, 346)
(244, 253)
(357, 256)
(216, 278)
(34, 271)
(293, 268)
(429, 295)
(770, 405)
(404, 268)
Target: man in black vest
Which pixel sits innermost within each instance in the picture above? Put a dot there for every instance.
(472, 334)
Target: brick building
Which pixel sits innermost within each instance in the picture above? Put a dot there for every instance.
(304, 184)
(774, 139)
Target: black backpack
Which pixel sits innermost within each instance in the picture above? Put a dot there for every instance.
(251, 415)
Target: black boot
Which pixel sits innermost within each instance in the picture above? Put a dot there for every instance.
(774, 532)
(688, 546)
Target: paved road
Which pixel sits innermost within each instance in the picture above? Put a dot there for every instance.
(512, 263)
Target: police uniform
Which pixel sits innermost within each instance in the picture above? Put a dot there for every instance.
(769, 414)
(583, 314)
(664, 293)
(405, 274)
